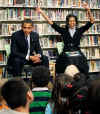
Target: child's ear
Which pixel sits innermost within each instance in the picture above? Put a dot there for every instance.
(30, 96)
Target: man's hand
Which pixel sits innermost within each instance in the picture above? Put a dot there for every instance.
(35, 59)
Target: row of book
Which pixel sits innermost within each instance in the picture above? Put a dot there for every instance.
(4, 43)
(51, 54)
(91, 53)
(55, 15)
(90, 41)
(45, 29)
(48, 42)
(52, 41)
(94, 66)
(51, 3)
(86, 41)
(51, 48)
(1, 71)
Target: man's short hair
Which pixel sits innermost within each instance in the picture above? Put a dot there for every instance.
(27, 21)
(40, 76)
(14, 91)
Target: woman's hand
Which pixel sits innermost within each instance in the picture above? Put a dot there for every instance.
(85, 5)
(90, 16)
(38, 9)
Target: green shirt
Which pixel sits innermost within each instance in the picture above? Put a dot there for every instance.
(41, 97)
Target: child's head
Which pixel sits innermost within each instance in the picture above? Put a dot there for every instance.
(60, 94)
(78, 77)
(94, 96)
(16, 93)
(71, 21)
(71, 70)
(40, 76)
(1, 84)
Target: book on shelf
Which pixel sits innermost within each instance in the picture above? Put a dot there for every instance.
(1, 71)
(55, 15)
(2, 58)
(52, 69)
(18, 2)
(48, 42)
(91, 53)
(94, 66)
(3, 43)
(90, 40)
(52, 54)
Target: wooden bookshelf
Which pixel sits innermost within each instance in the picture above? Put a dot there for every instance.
(10, 21)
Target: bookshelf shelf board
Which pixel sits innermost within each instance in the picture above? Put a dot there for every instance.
(19, 21)
(44, 48)
(42, 21)
(35, 21)
(2, 65)
(50, 48)
(47, 35)
(45, 7)
(94, 59)
(94, 72)
(2, 50)
(92, 46)
(91, 34)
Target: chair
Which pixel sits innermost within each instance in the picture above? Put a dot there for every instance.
(7, 49)
(27, 69)
(60, 46)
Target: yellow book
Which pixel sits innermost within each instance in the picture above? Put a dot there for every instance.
(1, 70)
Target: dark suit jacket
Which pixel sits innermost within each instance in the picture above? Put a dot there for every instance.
(19, 47)
(71, 43)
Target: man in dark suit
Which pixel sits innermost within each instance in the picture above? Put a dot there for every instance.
(25, 49)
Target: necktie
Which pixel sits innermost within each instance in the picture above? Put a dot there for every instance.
(26, 41)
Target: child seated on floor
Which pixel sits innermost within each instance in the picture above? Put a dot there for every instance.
(3, 104)
(40, 80)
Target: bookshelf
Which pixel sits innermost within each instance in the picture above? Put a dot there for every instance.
(12, 12)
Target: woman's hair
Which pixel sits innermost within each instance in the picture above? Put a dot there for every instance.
(68, 17)
(71, 70)
(94, 96)
(60, 94)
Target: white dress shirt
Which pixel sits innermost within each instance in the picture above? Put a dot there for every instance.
(72, 31)
(28, 52)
